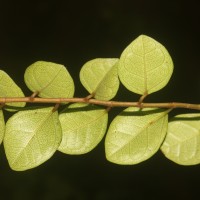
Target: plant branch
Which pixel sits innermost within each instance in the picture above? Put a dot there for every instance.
(99, 102)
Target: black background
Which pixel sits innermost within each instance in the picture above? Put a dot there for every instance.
(71, 33)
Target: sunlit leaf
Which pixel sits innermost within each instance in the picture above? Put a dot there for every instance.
(31, 137)
(2, 126)
(51, 80)
(83, 128)
(8, 88)
(100, 77)
(145, 66)
(182, 143)
(135, 135)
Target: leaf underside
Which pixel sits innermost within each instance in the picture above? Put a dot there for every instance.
(2, 126)
(145, 66)
(83, 127)
(100, 77)
(49, 79)
(31, 137)
(8, 88)
(135, 135)
(182, 143)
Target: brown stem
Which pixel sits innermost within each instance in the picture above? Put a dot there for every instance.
(100, 102)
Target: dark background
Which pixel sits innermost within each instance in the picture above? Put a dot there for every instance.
(71, 33)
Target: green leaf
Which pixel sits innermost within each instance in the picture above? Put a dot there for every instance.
(100, 77)
(182, 143)
(2, 126)
(83, 128)
(51, 80)
(31, 138)
(135, 135)
(145, 66)
(8, 88)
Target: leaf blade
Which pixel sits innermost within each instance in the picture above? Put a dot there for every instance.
(182, 140)
(8, 88)
(145, 66)
(51, 80)
(31, 138)
(133, 138)
(100, 77)
(82, 129)
(2, 126)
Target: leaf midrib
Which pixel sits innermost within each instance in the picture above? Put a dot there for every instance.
(33, 136)
(145, 73)
(49, 83)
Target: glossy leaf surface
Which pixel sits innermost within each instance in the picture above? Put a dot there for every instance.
(31, 138)
(51, 80)
(182, 143)
(83, 127)
(145, 66)
(2, 126)
(135, 135)
(100, 77)
(8, 88)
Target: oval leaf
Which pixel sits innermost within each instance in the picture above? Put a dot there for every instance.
(2, 126)
(83, 127)
(49, 79)
(100, 77)
(8, 88)
(182, 143)
(145, 66)
(135, 135)
(31, 138)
